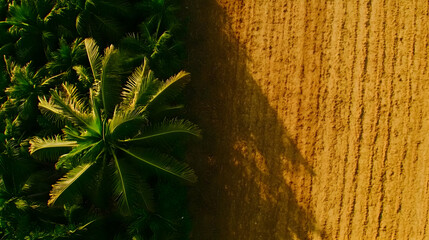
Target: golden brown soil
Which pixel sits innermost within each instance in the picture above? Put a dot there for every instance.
(316, 119)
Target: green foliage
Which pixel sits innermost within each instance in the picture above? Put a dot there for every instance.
(30, 24)
(98, 131)
(103, 20)
(78, 134)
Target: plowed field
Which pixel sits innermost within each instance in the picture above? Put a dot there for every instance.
(315, 118)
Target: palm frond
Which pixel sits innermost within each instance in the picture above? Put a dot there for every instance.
(161, 43)
(51, 81)
(70, 107)
(69, 182)
(107, 25)
(162, 162)
(73, 134)
(103, 24)
(74, 99)
(83, 23)
(147, 194)
(134, 85)
(126, 123)
(59, 109)
(94, 57)
(28, 108)
(85, 152)
(50, 148)
(167, 111)
(23, 81)
(83, 75)
(66, 57)
(121, 189)
(52, 112)
(134, 44)
(51, 14)
(126, 186)
(169, 90)
(148, 88)
(96, 111)
(110, 84)
(166, 131)
(14, 169)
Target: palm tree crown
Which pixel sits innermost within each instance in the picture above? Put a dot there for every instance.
(118, 132)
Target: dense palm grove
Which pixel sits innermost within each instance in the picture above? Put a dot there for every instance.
(91, 121)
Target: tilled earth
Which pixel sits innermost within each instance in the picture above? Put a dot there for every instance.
(315, 118)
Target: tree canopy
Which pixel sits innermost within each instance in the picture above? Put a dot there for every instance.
(93, 142)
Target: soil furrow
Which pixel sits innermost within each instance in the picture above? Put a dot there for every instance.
(314, 116)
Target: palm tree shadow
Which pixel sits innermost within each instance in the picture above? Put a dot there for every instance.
(246, 162)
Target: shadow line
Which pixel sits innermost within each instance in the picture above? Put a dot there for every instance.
(246, 158)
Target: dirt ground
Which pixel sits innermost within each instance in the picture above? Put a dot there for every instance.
(315, 118)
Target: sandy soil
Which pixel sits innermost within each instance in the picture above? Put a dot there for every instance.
(315, 116)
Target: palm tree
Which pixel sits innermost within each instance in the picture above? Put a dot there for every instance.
(68, 60)
(160, 14)
(103, 20)
(159, 37)
(66, 57)
(23, 186)
(165, 52)
(6, 43)
(119, 132)
(22, 94)
(31, 24)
